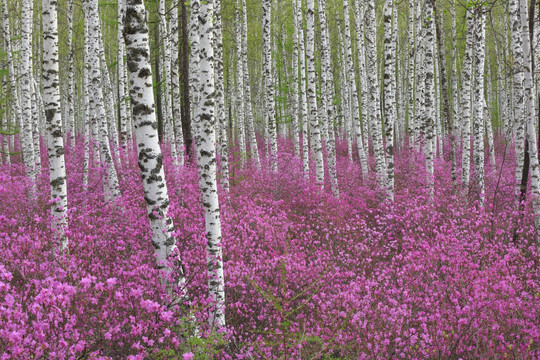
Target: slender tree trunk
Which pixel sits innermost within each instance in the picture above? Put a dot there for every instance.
(240, 86)
(122, 107)
(390, 113)
(149, 152)
(374, 94)
(296, 95)
(221, 119)
(429, 95)
(466, 101)
(175, 86)
(315, 132)
(186, 100)
(51, 95)
(479, 61)
(354, 92)
(27, 141)
(361, 55)
(530, 117)
(254, 148)
(206, 161)
(447, 119)
(15, 103)
(304, 113)
(519, 110)
(110, 183)
(327, 99)
(268, 80)
(71, 78)
(167, 62)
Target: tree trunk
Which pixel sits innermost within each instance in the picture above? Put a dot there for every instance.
(149, 152)
(206, 161)
(254, 149)
(51, 97)
(390, 113)
(186, 100)
(268, 81)
(374, 93)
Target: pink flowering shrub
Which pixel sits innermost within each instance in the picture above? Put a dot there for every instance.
(307, 275)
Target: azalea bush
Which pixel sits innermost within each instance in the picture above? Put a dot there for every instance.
(308, 276)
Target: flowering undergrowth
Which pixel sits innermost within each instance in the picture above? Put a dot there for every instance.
(308, 276)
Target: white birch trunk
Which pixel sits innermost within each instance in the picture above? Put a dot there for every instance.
(36, 110)
(530, 115)
(268, 83)
(221, 118)
(175, 85)
(519, 110)
(121, 78)
(254, 148)
(315, 133)
(240, 87)
(465, 103)
(429, 95)
(296, 95)
(479, 61)
(15, 103)
(327, 100)
(352, 88)
(149, 152)
(27, 141)
(304, 113)
(71, 95)
(390, 111)
(374, 94)
(110, 183)
(206, 163)
(51, 95)
(361, 55)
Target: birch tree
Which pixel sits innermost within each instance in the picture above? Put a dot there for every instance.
(479, 60)
(304, 112)
(51, 98)
(71, 78)
(327, 99)
(528, 86)
(240, 86)
(390, 111)
(175, 86)
(352, 88)
(206, 161)
(296, 95)
(466, 100)
(315, 132)
(15, 103)
(27, 141)
(150, 158)
(110, 183)
(122, 106)
(221, 118)
(518, 78)
(254, 148)
(268, 83)
(429, 95)
(374, 93)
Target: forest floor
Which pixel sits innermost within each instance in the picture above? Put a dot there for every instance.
(307, 276)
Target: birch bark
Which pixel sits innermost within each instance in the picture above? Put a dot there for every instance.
(206, 162)
(254, 148)
(51, 98)
(374, 93)
(149, 153)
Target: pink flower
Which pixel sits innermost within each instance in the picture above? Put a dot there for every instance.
(188, 356)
